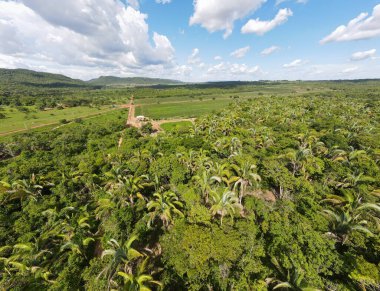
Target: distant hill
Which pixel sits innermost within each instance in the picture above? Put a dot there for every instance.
(134, 81)
(28, 78)
(17, 77)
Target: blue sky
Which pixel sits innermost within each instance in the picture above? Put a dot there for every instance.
(201, 40)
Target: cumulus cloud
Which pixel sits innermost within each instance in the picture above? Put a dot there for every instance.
(217, 58)
(234, 71)
(194, 57)
(361, 27)
(260, 27)
(241, 52)
(80, 34)
(350, 70)
(295, 63)
(134, 3)
(359, 56)
(270, 50)
(215, 15)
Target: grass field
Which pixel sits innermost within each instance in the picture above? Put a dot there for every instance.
(171, 126)
(101, 118)
(185, 109)
(176, 102)
(17, 120)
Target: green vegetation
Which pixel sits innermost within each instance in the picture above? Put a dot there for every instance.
(271, 193)
(175, 126)
(30, 117)
(182, 109)
(133, 81)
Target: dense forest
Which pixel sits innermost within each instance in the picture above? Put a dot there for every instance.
(273, 192)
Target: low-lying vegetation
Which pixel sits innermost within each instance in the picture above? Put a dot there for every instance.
(270, 193)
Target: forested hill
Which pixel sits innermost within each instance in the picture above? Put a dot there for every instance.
(134, 81)
(23, 77)
(19, 77)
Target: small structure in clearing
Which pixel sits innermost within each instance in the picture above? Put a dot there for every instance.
(141, 118)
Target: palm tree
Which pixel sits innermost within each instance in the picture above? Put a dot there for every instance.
(113, 177)
(134, 185)
(293, 279)
(138, 281)
(104, 208)
(235, 146)
(298, 160)
(343, 223)
(351, 202)
(164, 206)
(224, 203)
(204, 182)
(188, 159)
(22, 189)
(245, 176)
(121, 256)
(26, 259)
(220, 172)
(129, 187)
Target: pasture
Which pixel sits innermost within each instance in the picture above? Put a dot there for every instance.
(17, 120)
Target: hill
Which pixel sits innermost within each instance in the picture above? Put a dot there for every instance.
(133, 81)
(13, 77)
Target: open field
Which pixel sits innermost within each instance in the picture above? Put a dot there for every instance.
(274, 158)
(182, 109)
(162, 102)
(170, 126)
(19, 121)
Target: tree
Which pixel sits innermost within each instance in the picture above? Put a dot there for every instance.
(204, 182)
(164, 206)
(245, 176)
(225, 203)
(293, 279)
(22, 189)
(121, 257)
(343, 224)
(138, 281)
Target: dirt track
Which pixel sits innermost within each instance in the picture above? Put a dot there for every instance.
(156, 123)
(131, 120)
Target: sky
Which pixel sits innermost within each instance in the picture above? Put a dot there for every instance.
(195, 41)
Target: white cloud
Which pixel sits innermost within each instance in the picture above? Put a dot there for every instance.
(233, 71)
(194, 57)
(358, 56)
(241, 52)
(278, 2)
(361, 27)
(81, 34)
(134, 3)
(270, 50)
(215, 15)
(163, 1)
(261, 27)
(295, 63)
(217, 58)
(350, 70)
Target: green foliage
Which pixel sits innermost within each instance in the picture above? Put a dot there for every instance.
(271, 193)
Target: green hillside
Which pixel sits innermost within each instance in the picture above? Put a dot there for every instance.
(116, 81)
(19, 77)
